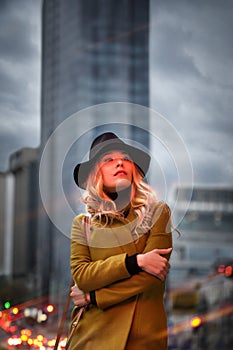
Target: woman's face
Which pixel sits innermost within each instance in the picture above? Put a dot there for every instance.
(117, 170)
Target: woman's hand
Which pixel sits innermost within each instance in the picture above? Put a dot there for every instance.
(155, 264)
(79, 297)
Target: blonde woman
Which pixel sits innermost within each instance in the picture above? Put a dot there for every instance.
(120, 265)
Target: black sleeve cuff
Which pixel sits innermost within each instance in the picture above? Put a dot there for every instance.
(132, 265)
(92, 297)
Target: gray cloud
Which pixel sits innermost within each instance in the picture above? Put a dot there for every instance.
(192, 80)
(17, 33)
(19, 76)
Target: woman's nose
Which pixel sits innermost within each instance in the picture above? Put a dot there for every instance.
(119, 162)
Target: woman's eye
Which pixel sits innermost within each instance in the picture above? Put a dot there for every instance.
(127, 158)
(105, 160)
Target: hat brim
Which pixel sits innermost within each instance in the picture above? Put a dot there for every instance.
(140, 158)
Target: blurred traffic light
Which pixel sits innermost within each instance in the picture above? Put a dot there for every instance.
(15, 310)
(50, 308)
(43, 314)
(38, 315)
(227, 270)
(195, 323)
(7, 304)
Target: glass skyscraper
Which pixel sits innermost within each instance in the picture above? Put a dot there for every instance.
(93, 52)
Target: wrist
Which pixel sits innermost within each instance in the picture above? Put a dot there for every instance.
(87, 298)
(132, 265)
(140, 260)
(92, 298)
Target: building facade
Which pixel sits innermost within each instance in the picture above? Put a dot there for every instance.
(6, 220)
(205, 233)
(18, 234)
(93, 52)
(24, 171)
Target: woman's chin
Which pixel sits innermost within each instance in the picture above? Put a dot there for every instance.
(122, 184)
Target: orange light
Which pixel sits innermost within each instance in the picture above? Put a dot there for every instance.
(24, 337)
(30, 341)
(15, 310)
(51, 343)
(195, 322)
(50, 308)
(228, 271)
(26, 331)
(40, 337)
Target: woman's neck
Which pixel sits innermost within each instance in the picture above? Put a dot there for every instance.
(121, 198)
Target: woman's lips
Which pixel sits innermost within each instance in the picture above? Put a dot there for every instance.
(120, 172)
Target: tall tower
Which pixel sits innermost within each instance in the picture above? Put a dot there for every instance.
(92, 52)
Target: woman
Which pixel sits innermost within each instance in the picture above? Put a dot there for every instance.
(121, 266)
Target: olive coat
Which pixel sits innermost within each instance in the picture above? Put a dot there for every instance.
(130, 309)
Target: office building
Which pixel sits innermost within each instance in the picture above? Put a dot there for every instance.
(93, 52)
(205, 233)
(6, 220)
(23, 252)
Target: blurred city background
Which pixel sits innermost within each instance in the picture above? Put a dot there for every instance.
(59, 57)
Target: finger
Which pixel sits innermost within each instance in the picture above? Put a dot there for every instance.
(167, 265)
(164, 262)
(72, 294)
(160, 276)
(163, 275)
(164, 251)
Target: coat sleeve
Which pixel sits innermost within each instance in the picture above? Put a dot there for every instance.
(160, 237)
(91, 275)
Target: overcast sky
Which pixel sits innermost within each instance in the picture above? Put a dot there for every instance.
(20, 50)
(191, 64)
(192, 80)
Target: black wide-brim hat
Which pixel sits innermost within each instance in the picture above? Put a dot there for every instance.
(100, 146)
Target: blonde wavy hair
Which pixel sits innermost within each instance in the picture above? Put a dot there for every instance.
(103, 209)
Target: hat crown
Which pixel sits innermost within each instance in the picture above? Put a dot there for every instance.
(102, 141)
(108, 142)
